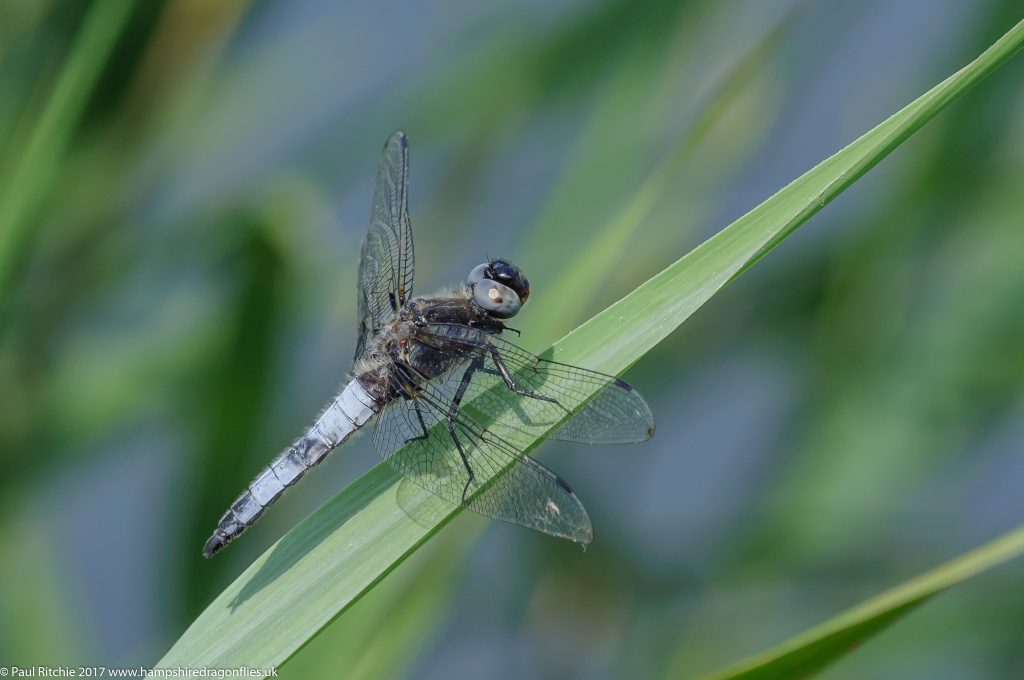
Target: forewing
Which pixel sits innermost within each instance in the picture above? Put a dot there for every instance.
(612, 411)
(386, 267)
(419, 439)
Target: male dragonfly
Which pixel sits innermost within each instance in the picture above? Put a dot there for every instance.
(455, 405)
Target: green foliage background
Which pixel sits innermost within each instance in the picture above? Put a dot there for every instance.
(183, 187)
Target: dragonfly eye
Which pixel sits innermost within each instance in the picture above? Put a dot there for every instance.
(498, 300)
(478, 274)
(506, 273)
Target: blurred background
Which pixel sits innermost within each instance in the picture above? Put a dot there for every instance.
(183, 190)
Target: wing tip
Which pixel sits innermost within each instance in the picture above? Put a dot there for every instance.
(642, 409)
(583, 532)
(399, 137)
(584, 537)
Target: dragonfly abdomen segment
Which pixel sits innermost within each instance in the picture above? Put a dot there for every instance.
(339, 421)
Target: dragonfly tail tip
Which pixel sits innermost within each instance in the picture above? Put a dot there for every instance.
(214, 544)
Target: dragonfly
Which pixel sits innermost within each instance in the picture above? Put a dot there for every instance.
(455, 405)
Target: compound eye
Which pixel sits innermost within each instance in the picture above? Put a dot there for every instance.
(478, 274)
(499, 301)
(523, 286)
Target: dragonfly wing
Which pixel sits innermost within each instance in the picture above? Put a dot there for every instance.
(554, 400)
(450, 454)
(387, 264)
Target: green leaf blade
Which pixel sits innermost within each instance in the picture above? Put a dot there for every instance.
(334, 556)
(825, 644)
(26, 189)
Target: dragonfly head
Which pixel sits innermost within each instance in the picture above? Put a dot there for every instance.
(499, 287)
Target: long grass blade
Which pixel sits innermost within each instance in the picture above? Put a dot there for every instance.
(823, 645)
(51, 134)
(334, 556)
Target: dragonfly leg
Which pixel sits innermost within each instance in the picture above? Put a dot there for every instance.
(453, 408)
(408, 391)
(510, 382)
(465, 460)
(423, 425)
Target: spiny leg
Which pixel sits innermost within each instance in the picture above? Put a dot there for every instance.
(409, 391)
(453, 409)
(465, 460)
(423, 425)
